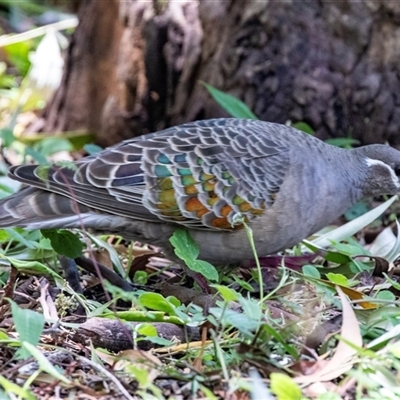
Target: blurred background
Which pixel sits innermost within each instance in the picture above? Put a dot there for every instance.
(131, 67)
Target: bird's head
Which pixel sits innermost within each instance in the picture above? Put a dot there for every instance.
(383, 169)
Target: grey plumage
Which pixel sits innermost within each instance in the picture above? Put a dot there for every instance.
(204, 175)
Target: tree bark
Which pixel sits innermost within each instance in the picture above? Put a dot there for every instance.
(134, 66)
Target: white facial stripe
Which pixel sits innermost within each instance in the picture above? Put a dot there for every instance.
(371, 162)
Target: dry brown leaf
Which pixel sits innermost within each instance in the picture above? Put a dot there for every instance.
(352, 293)
(343, 359)
(318, 388)
(46, 301)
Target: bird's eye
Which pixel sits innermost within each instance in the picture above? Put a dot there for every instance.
(396, 168)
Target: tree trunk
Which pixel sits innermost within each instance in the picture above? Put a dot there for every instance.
(135, 66)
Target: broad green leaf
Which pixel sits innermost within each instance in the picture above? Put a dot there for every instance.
(36, 155)
(235, 107)
(18, 54)
(291, 349)
(29, 325)
(311, 271)
(346, 143)
(187, 250)
(203, 267)
(174, 301)
(140, 374)
(338, 279)
(244, 284)
(31, 267)
(304, 127)
(284, 387)
(337, 257)
(64, 242)
(3, 335)
(226, 293)
(251, 308)
(51, 145)
(146, 330)
(241, 321)
(78, 139)
(11, 387)
(156, 301)
(350, 249)
(140, 277)
(7, 136)
(159, 341)
(184, 245)
(356, 211)
(143, 316)
(44, 363)
(92, 148)
(386, 295)
(19, 238)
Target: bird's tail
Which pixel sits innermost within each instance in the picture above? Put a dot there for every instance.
(37, 208)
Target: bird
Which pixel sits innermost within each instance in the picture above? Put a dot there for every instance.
(210, 177)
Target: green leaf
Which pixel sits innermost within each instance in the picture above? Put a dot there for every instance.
(140, 373)
(284, 387)
(11, 387)
(36, 155)
(337, 257)
(140, 277)
(245, 285)
(386, 295)
(235, 107)
(44, 363)
(350, 249)
(64, 242)
(241, 321)
(19, 238)
(143, 316)
(31, 267)
(7, 136)
(304, 127)
(174, 301)
(29, 325)
(356, 211)
(42, 172)
(251, 308)
(226, 293)
(53, 145)
(188, 250)
(311, 271)
(338, 279)
(92, 148)
(4, 336)
(277, 335)
(346, 143)
(156, 301)
(159, 341)
(205, 268)
(146, 330)
(18, 54)
(184, 245)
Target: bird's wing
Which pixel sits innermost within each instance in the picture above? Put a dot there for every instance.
(203, 174)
